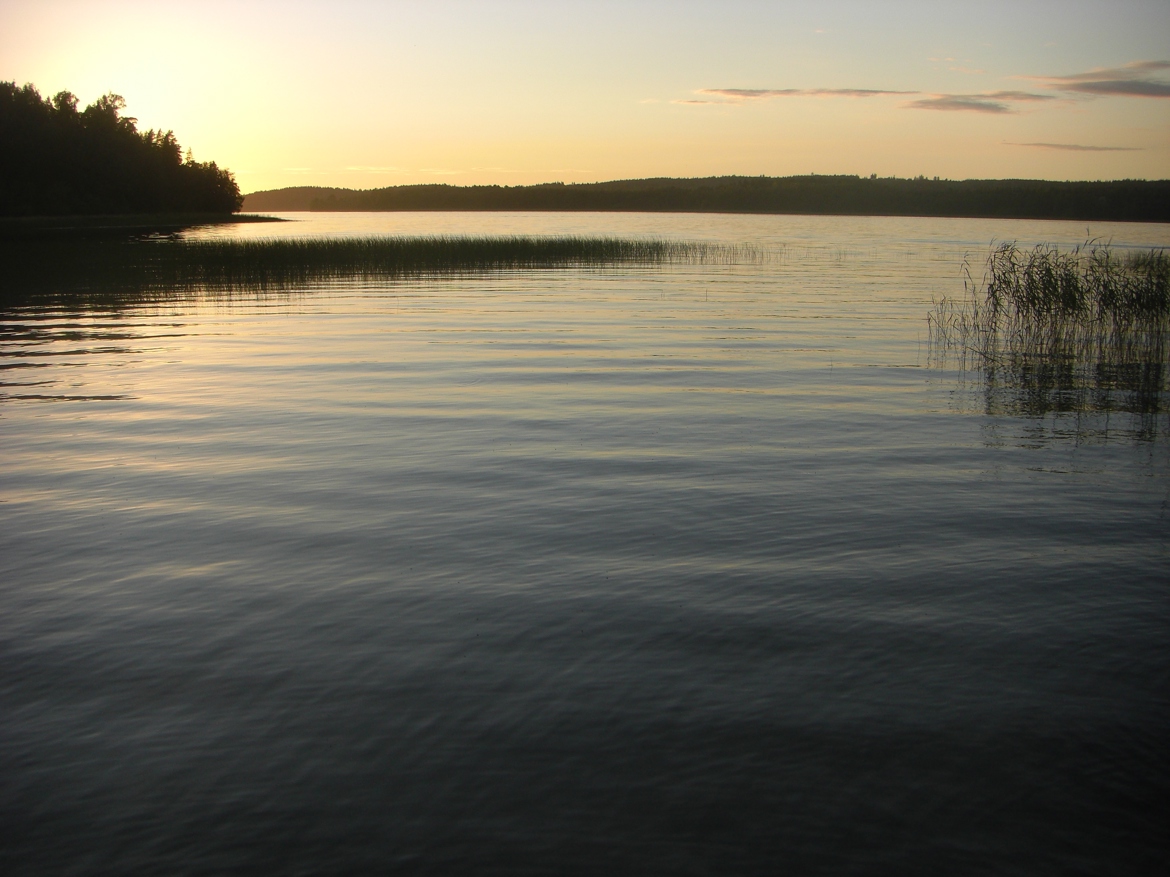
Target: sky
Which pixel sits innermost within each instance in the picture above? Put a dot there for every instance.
(372, 94)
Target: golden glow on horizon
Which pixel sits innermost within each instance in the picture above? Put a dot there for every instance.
(367, 94)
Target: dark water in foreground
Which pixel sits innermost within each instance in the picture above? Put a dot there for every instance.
(685, 570)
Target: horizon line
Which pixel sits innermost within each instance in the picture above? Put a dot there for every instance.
(873, 177)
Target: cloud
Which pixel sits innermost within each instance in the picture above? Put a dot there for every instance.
(956, 102)
(1077, 147)
(1015, 95)
(1125, 71)
(740, 94)
(1122, 87)
(1147, 65)
(986, 102)
(1130, 80)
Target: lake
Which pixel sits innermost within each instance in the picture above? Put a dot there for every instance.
(680, 569)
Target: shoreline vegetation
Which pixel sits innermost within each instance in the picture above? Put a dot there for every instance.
(1119, 200)
(129, 268)
(116, 225)
(1060, 331)
(57, 160)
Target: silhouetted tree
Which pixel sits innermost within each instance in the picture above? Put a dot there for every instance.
(57, 160)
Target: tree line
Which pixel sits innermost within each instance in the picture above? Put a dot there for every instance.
(58, 160)
(1120, 200)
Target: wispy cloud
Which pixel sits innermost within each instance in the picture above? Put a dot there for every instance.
(746, 94)
(1131, 80)
(986, 102)
(1077, 147)
(958, 102)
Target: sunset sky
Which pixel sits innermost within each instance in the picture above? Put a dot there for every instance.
(367, 94)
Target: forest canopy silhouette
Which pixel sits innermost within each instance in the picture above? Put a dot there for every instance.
(57, 160)
(1116, 200)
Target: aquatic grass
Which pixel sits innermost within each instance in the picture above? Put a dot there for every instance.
(263, 263)
(227, 265)
(1048, 293)
(1051, 330)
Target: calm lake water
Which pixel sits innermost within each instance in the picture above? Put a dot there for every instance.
(683, 570)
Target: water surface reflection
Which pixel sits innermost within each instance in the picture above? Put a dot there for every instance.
(691, 569)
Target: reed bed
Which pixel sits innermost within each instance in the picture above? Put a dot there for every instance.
(282, 264)
(1086, 329)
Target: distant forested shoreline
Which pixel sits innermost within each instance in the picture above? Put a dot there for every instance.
(57, 160)
(1119, 200)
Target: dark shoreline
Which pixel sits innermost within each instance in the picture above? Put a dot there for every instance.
(1115, 201)
(116, 225)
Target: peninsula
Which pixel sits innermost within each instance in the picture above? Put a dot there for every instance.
(57, 160)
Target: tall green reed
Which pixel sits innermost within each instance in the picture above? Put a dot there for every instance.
(1086, 329)
(160, 266)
